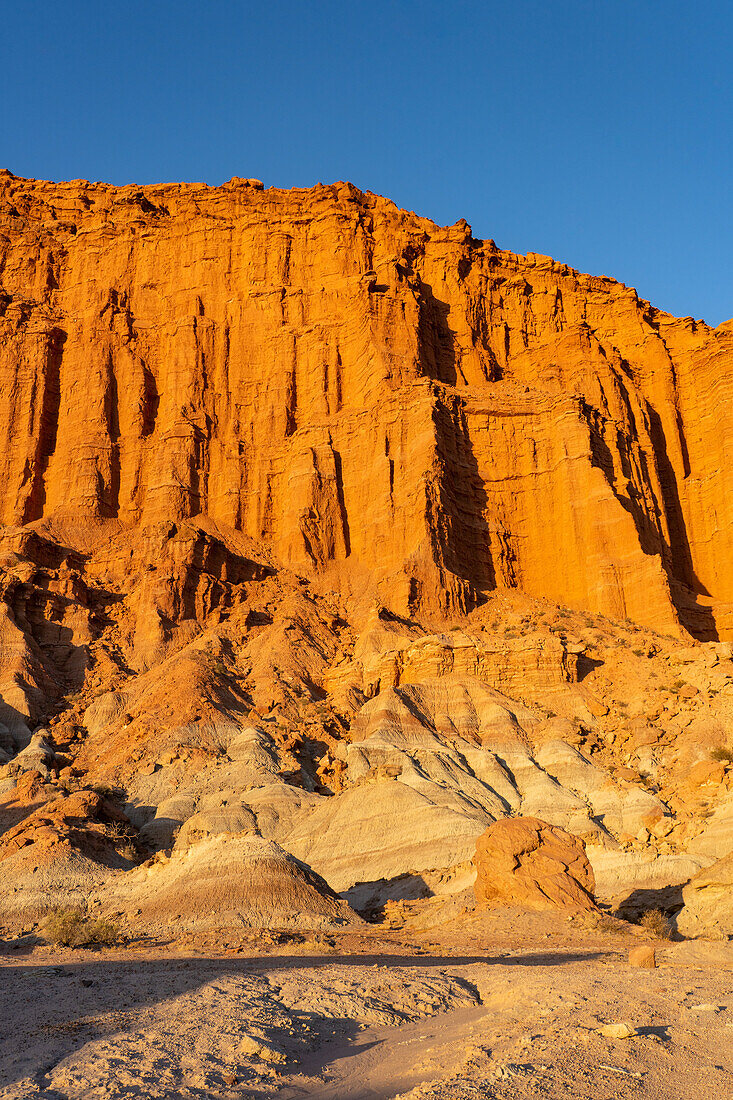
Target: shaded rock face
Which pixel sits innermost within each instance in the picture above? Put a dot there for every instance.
(708, 902)
(366, 392)
(526, 862)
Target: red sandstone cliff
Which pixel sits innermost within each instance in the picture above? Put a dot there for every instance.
(374, 397)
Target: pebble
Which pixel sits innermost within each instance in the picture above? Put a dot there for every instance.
(644, 956)
(617, 1031)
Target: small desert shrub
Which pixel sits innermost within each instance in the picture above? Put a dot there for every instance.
(123, 837)
(677, 685)
(656, 924)
(221, 669)
(309, 947)
(602, 922)
(73, 928)
(723, 755)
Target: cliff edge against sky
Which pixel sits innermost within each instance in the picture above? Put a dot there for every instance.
(379, 400)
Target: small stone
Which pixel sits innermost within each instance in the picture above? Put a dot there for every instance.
(616, 1031)
(644, 956)
(253, 1047)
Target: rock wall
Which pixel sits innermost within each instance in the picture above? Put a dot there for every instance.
(379, 399)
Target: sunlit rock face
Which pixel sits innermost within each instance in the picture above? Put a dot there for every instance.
(379, 399)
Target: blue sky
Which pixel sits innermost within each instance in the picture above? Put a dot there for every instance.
(600, 133)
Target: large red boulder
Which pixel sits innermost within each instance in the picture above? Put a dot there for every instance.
(525, 862)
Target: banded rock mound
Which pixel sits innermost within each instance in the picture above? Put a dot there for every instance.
(229, 880)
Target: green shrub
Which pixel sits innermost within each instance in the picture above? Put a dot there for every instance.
(221, 669)
(73, 928)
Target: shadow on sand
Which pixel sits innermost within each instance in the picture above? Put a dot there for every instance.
(74, 1001)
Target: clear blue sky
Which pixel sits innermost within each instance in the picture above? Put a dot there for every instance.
(598, 132)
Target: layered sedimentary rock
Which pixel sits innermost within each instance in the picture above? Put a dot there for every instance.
(230, 878)
(373, 396)
(323, 531)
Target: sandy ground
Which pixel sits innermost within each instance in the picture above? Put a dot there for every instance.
(506, 1007)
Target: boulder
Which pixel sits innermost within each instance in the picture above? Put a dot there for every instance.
(708, 901)
(643, 956)
(528, 863)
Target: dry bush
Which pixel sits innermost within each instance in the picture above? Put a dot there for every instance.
(722, 755)
(656, 924)
(603, 922)
(73, 928)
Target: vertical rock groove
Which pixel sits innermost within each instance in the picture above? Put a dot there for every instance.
(355, 384)
(47, 423)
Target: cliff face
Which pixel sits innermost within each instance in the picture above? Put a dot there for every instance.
(376, 398)
(258, 449)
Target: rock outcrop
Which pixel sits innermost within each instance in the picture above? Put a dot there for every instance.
(325, 525)
(60, 847)
(371, 394)
(708, 902)
(525, 862)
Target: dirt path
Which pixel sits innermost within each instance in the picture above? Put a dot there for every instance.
(384, 1061)
(510, 1025)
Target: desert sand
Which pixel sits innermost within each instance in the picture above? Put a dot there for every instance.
(503, 1005)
